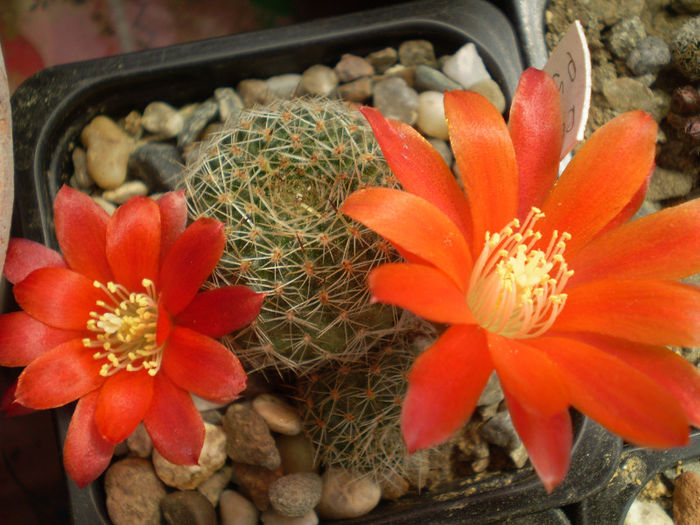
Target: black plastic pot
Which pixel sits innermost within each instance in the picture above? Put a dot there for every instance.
(53, 106)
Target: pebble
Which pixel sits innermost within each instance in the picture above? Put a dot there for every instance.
(351, 67)
(139, 442)
(133, 492)
(667, 183)
(499, 430)
(196, 122)
(213, 487)
(229, 103)
(295, 495)
(108, 150)
(347, 494)
(284, 86)
(318, 80)
(428, 78)
(415, 52)
(492, 91)
(248, 437)
(203, 405)
(626, 94)
(187, 508)
(162, 119)
(383, 59)
(211, 459)
(431, 115)
(443, 149)
(270, 517)
(649, 56)
(407, 74)
(685, 49)
(626, 35)
(686, 499)
(395, 99)
(280, 416)
(393, 485)
(296, 453)
(105, 204)
(255, 482)
(236, 509)
(80, 171)
(466, 66)
(359, 90)
(646, 513)
(160, 165)
(124, 192)
(492, 392)
(254, 91)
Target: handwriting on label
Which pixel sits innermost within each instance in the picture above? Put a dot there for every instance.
(569, 65)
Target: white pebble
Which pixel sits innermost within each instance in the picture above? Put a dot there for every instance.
(284, 86)
(647, 513)
(279, 416)
(466, 66)
(492, 91)
(162, 119)
(127, 190)
(431, 115)
(105, 204)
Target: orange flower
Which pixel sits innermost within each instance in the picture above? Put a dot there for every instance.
(542, 280)
(117, 323)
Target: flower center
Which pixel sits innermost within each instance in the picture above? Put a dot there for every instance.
(516, 290)
(126, 329)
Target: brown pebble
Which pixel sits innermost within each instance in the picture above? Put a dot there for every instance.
(686, 499)
(255, 482)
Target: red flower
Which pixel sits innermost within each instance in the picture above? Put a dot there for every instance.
(543, 280)
(117, 323)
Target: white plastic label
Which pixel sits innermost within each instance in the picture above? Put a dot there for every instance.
(569, 65)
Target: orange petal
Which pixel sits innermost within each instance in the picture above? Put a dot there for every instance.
(617, 395)
(529, 375)
(421, 170)
(536, 130)
(203, 366)
(486, 161)
(423, 290)
(663, 245)
(86, 454)
(444, 385)
(415, 225)
(173, 422)
(601, 179)
(24, 256)
(124, 399)
(65, 373)
(173, 219)
(23, 338)
(630, 210)
(133, 242)
(58, 297)
(547, 440)
(81, 226)
(652, 312)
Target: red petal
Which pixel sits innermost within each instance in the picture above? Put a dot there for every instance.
(444, 385)
(421, 170)
(664, 245)
(486, 160)
(133, 242)
(652, 312)
(164, 324)
(415, 225)
(124, 399)
(617, 395)
(190, 261)
(11, 407)
(23, 338)
(61, 375)
(587, 196)
(25, 256)
(81, 226)
(536, 130)
(202, 366)
(529, 375)
(173, 219)
(58, 297)
(423, 290)
(220, 311)
(86, 454)
(547, 440)
(172, 421)
(630, 209)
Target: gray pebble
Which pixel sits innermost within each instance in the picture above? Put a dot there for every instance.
(428, 78)
(295, 495)
(187, 508)
(667, 183)
(626, 35)
(395, 99)
(443, 148)
(230, 104)
(347, 494)
(270, 517)
(237, 510)
(499, 430)
(196, 122)
(162, 119)
(351, 67)
(649, 56)
(383, 59)
(319, 80)
(213, 487)
(123, 193)
(415, 52)
(284, 86)
(358, 90)
(139, 442)
(492, 393)
(133, 492)
(248, 437)
(159, 165)
(80, 171)
(625, 94)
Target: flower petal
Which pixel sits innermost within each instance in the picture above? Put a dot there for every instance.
(630, 210)
(529, 375)
(421, 170)
(616, 395)
(485, 159)
(423, 290)
(536, 130)
(548, 441)
(58, 297)
(189, 262)
(124, 399)
(86, 454)
(222, 310)
(173, 422)
(415, 225)
(25, 256)
(133, 242)
(203, 366)
(81, 226)
(63, 374)
(173, 219)
(23, 338)
(444, 385)
(663, 245)
(652, 312)
(601, 179)
(10, 406)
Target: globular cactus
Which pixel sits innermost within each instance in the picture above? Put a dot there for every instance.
(277, 176)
